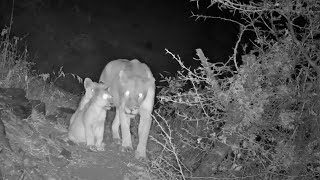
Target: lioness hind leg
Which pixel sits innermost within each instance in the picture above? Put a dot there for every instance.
(125, 132)
(115, 128)
(143, 131)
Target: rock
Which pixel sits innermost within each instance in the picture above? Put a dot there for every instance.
(57, 161)
(39, 106)
(15, 93)
(27, 128)
(52, 119)
(63, 110)
(15, 99)
(66, 154)
(21, 110)
(52, 150)
(64, 115)
(71, 143)
(69, 83)
(4, 141)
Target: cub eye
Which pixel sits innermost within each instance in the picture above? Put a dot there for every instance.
(140, 95)
(106, 96)
(127, 93)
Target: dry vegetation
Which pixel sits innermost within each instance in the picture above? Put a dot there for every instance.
(254, 118)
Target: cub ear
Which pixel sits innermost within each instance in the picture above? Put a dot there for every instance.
(87, 83)
(122, 76)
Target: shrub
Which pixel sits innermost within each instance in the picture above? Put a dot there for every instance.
(251, 119)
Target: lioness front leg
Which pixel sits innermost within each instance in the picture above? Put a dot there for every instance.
(115, 128)
(143, 132)
(125, 131)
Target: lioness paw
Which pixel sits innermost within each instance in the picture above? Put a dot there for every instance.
(126, 149)
(140, 156)
(101, 147)
(117, 141)
(93, 148)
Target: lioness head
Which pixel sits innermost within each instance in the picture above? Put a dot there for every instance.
(97, 93)
(133, 92)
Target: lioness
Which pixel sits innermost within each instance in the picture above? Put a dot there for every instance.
(87, 123)
(132, 87)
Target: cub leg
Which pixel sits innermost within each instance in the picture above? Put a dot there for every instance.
(143, 131)
(125, 131)
(98, 133)
(115, 128)
(89, 134)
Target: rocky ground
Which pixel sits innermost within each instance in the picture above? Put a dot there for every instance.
(33, 145)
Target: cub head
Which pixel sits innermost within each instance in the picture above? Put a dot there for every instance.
(133, 91)
(97, 93)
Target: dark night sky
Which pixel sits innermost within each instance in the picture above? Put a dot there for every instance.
(84, 35)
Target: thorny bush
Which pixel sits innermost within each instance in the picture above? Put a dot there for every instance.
(254, 119)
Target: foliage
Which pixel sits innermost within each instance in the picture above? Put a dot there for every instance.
(16, 71)
(257, 118)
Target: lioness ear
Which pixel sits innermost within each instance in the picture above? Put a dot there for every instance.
(149, 75)
(87, 83)
(152, 80)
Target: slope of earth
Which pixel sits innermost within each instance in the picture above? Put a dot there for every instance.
(38, 147)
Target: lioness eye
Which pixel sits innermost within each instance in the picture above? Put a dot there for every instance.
(105, 96)
(127, 93)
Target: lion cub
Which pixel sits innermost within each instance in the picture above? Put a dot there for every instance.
(87, 123)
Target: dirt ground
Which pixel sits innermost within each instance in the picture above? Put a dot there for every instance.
(38, 146)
